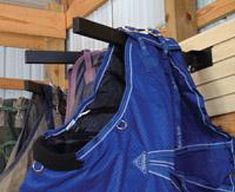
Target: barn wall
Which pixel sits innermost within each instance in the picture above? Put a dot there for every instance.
(117, 13)
(12, 65)
(216, 83)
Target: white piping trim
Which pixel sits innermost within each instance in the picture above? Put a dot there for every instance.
(231, 180)
(105, 69)
(161, 162)
(192, 182)
(188, 146)
(184, 186)
(158, 44)
(232, 151)
(201, 185)
(74, 120)
(198, 102)
(99, 81)
(167, 178)
(162, 165)
(124, 109)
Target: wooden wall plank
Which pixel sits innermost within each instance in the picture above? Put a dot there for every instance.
(214, 11)
(219, 70)
(82, 8)
(10, 83)
(23, 20)
(210, 37)
(226, 122)
(221, 105)
(180, 18)
(218, 88)
(224, 50)
(22, 41)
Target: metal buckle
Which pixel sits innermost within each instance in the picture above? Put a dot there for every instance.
(37, 167)
(122, 125)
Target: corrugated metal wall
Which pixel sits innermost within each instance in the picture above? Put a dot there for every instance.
(203, 3)
(136, 13)
(102, 15)
(116, 13)
(12, 65)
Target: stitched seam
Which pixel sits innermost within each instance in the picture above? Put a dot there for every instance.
(201, 185)
(167, 178)
(161, 162)
(162, 165)
(197, 97)
(188, 147)
(230, 176)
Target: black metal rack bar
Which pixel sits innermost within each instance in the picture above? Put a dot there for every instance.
(34, 87)
(51, 57)
(98, 31)
(195, 60)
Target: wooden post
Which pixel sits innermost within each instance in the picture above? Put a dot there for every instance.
(55, 73)
(180, 18)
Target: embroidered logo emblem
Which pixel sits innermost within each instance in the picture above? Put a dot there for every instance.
(141, 162)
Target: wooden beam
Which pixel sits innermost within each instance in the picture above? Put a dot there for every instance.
(222, 69)
(224, 50)
(56, 73)
(23, 41)
(29, 21)
(210, 37)
(56, 5)
(66, 4)
(180, 18)
(9, 83)
(69, 2)
(14, 83)
(214, 11)
(218, 88)
(221, 105)
(82, 8)
(226, 122)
